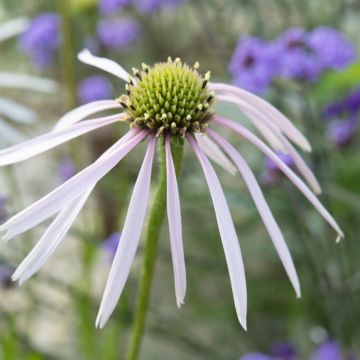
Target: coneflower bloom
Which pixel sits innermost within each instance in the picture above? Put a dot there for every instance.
(164, 103)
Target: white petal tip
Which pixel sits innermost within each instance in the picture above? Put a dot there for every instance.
(339, 238)
(243, 324)
(83, 53)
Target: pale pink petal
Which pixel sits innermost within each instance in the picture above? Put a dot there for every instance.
(263, 208)
(275, 115)
(215, 153)
(42, 143)
(17, 112)
(245, 133)
(275, 138)
(105, 64)
(55, 200)
(27, 82)
(227, 233)
(130, 236)
(82, 112)
(50, 239)
(174, 219)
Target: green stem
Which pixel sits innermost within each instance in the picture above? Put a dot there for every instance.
(67, 53)
(156, 218)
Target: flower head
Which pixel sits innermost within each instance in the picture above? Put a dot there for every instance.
(94, 88)
(168, 103)
(108, 7)
(150, 6)
(253, 64)
(341, 132)
(5, 276)
(330, 47)
(118, 34)
(295, 59)
(41, 40)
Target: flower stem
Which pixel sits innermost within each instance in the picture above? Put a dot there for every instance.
(156, 218)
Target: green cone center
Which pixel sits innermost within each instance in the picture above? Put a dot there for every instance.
(169, 98)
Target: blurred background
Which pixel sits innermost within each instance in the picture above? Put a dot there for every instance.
(300, 55)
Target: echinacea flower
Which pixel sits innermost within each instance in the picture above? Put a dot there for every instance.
(9, 109)
(166, 104)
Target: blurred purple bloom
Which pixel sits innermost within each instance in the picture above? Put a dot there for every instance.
(66, 169)
(5, 276)
(118, 34)
(331, 48)
(272, 167)
(252, 65)
(3, 213)
(41, 39)
(107, 7)
(329, 350)
(334, 109)
(94, 88)
(271, 173)
(341, 132)
(150, 6)
(256, 356)
(111, 243)
(284, 351)
(352, 102)
(295, 60)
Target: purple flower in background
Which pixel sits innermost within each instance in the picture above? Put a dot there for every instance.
(352, 102)
(252, 65)
(5, 276)
(256, 356)
(42, 39)
(94, 88)
(284, 351)
(150, 6)
(111, 243)
(295, 61)
(341, 132)
(329, 350)
(66, 169)
(272, 172)
(107, 7)
(334, 109)
(118, 34)
(272, 166)
(3, 213)
(332, 50)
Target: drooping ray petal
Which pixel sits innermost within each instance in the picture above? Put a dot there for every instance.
(17, 112)
(174, 219)
(50, 140)
(245, 133)
(227, 233)
(27, 82)
(263, 208)
(105, 64)
(55, 200)
(13, 27)
(9, 134)
(129, 238)
(275, 115)
(215, 153)
(271, 133)
(301, 165)
(82, 112)
(50, 239)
